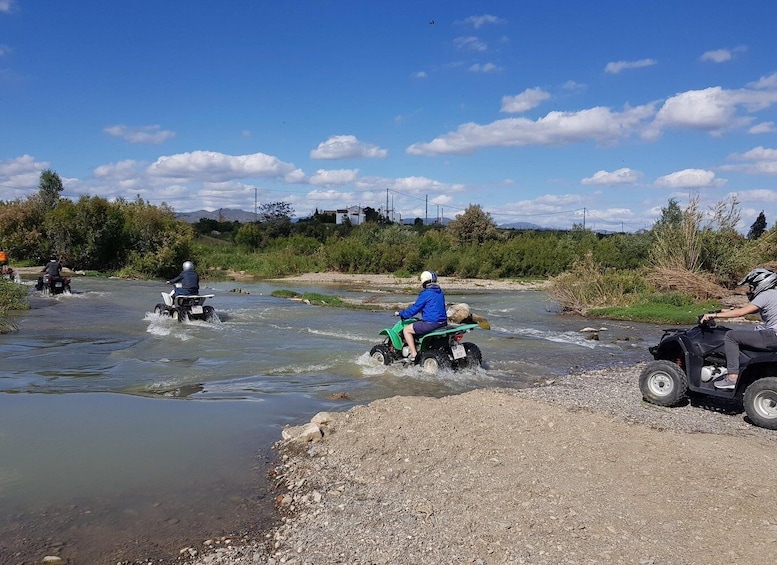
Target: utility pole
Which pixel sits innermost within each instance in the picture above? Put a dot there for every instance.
(583, 218)
(426, 211)
(387, 208)
(255, 216)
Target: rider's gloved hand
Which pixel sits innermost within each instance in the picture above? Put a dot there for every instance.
(396, 313)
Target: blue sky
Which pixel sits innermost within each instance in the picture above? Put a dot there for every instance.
(549, 112)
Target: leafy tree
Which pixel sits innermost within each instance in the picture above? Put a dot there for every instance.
(473, 226)
(249, 236)
(49, 187)
(272, 212)
(671, 216)
(758, 228)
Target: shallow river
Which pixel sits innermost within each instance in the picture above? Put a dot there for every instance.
(125, 435)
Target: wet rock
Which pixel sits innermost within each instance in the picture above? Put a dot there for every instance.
(302, 434)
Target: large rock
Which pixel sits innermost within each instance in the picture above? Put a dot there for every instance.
(461, 314)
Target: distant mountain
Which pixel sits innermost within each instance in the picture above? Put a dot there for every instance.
(222, 214)
(522, 226)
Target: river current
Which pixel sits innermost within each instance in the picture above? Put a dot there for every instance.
(126, 435)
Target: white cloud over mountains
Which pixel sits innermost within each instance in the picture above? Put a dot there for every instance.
(347, 147)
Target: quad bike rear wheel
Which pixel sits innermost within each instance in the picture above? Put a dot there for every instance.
(474, 357)
(178, 314)
(760, 402)
(434, 361)
(663, 383)
(208, 313)
(381, 354)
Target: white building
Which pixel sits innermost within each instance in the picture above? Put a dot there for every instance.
(353, 213)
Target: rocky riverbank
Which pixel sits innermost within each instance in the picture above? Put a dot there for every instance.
(579, 470)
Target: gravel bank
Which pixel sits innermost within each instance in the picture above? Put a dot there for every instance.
(578, 471)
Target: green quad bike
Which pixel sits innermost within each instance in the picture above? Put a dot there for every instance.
(440, 349)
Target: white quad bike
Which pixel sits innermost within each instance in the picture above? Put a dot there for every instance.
(185, 306)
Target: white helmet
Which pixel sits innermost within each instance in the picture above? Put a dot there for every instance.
(428, 277)
(759, 280)
(188, 266)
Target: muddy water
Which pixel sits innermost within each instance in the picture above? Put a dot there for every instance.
(125, 435)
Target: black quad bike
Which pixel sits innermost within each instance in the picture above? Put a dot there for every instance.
(440, 349)
(53, 285)
(691, 360)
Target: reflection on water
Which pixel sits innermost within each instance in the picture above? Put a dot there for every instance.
(102, 399)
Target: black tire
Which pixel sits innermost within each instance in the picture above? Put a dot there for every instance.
(159, 309)
(433, 361)
(208, 313)
(381, 354)
(178, 314)
(664, 383)
(760, 402)
(474, 357)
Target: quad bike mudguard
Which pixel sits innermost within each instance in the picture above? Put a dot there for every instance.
(395, 333)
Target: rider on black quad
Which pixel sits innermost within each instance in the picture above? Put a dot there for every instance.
(763, 300)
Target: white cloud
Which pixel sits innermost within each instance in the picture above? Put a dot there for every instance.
(765, 82)
(484, 68)
(479, 21)
(339, 177)
(556, 128)
(689, 178)
(757, 161)
(616, 67)
(143, 134)
(19, 177)
(757, 195)
(7, 6)
(712, 109)
(621, 176)
(470, 43)
(573, 86)
(122, 170)
(717, 56)
(346, 147)
(214, 166)
(763, 127)
(5, 50)
(419, 74)
(526, 100)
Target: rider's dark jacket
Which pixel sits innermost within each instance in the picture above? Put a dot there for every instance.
(190, 282)
(53, 268)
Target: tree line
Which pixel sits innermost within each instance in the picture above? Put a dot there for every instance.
(139, 239)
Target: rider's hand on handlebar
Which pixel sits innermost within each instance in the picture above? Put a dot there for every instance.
(396, 313)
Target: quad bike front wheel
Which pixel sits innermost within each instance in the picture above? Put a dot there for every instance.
(159, 309)
(433, 361)
(760, 402)
(663, 383)
(381, 354)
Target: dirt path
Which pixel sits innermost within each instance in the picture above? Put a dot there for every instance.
(579, 471)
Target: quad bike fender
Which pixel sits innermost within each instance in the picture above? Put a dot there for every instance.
(395, 337)
(450, 329)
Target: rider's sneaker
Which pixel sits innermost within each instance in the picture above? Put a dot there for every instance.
(411, 358)
(725, 384)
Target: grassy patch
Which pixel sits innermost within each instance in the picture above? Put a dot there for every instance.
(671, 308)
(314, 298)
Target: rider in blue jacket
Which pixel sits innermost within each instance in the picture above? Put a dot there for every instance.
(431, 304)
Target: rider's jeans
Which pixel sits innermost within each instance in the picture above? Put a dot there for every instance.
(764, 340)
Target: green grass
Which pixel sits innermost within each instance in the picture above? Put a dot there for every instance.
(657, 309)
(314, 298)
